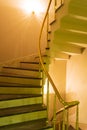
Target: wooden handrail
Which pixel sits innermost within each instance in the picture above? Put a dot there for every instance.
(70, 105)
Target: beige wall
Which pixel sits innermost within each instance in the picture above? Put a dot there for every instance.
(18, 32)
(57, 70)
(77, 83)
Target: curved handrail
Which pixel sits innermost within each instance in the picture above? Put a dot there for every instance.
(72, 104)
(66, 104)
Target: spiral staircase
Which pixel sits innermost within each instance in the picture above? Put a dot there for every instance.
(21, 87)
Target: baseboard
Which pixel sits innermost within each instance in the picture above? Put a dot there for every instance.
(81, 125)
(15, 62)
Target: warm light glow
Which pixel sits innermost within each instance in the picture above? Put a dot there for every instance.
(50, 87)
(29, 6)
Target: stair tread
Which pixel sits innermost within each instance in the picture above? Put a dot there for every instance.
(39, 124)
(18, 76)
(22, 68)
(4, 97)
(21, 110)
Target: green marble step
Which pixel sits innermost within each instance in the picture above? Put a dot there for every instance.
(72, 23)
(13, 100)
(20, 90)
(78, 7)
(39, 124)
(4, 97)
(21, 79)
(20, 114)
(22, 71)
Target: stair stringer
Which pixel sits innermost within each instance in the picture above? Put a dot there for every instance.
(59, 13)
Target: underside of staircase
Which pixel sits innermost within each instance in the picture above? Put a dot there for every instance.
(70, 38)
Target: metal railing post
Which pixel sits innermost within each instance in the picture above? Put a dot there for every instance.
(63, 123)
(48, 99)
(67, 119)
(77, 117)
(43, 87)
(54, 113)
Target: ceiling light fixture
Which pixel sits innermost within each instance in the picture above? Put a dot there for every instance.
(32, 6)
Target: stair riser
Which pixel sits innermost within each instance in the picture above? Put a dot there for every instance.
(20, 102)
(30, 66)
(8, 120)
(22, 72)
(20, 80)
(18, 90)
